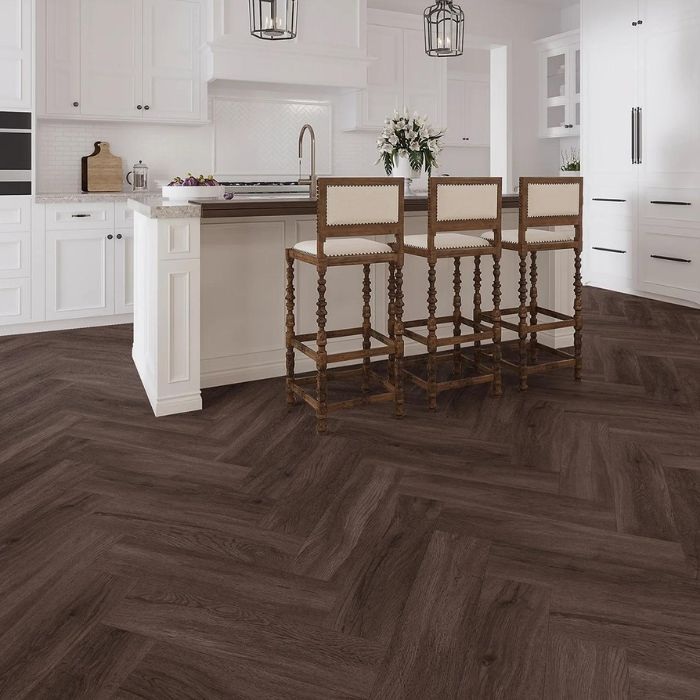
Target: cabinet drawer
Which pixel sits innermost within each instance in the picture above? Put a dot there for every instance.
(123, 216)
(14, 254)
(87, 215)
(15, 301)
(671, 261)
(610, 262)
(610, 233)
(15, 214)
(673, 205)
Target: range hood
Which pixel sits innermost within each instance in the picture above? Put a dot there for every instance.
(330, 49)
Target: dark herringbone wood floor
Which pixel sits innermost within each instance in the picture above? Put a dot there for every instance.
(546, 545)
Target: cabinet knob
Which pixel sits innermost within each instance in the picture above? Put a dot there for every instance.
(465, 138)
(119, 236)
(139, 106)
(110, 237)
(634, 24)
(147, 107)
(76, 104)
(639, 22)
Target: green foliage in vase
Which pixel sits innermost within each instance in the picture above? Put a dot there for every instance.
(571, 161)
(412, 137)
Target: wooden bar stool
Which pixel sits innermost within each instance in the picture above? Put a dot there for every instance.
(348, 209)
(544, 202)
(456, 205)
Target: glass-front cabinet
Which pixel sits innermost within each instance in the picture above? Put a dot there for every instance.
(560, 85)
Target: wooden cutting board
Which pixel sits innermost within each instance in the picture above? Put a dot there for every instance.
(102, 171)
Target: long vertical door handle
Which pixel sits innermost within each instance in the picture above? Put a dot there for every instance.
(634, 135)
(639, 135)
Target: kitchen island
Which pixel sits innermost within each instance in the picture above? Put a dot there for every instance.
(209, 290)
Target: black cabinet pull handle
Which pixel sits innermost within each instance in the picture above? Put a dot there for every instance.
(634, 135)
(639, 135)
(81, 216)
(609, 250)
(119, 236)
(666, 257)
(607, 199)
(110, 237)
(674, 204)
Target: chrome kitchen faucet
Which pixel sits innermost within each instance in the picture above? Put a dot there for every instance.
(311, 181)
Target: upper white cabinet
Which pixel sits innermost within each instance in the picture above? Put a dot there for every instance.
(468, 112)
(400, 75)
(329, 49)
(16, 55)
(560, 85)
(123, 59)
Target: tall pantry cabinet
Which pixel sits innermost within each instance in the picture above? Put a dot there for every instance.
(641, 146)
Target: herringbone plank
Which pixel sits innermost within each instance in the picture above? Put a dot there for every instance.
(545, 545)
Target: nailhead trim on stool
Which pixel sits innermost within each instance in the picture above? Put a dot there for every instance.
(444, 241)
(534, 235)
(344, 246)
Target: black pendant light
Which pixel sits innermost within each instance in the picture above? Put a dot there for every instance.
(444, 29)
(273, 19)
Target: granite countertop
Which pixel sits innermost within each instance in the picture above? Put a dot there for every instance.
(68, 197)
(156, 207)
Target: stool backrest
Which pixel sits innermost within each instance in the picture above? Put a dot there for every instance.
(360, 206)
(550, 201)
(464, 204)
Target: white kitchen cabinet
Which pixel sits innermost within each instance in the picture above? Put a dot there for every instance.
(15, 301)
(15, 260)
(123, 59)
(468, 112)
(16, 55)
(402, 75)
(62, 57)
(560, 85)
(124, 271)
(111, 64)
(79, 274)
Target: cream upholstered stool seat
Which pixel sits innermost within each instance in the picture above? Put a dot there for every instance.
(349, 210)
(455, 206)
(444, 241)
(344, 246)
(556, 202)
(534, 235)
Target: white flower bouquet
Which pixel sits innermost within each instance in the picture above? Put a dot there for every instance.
(406, 136)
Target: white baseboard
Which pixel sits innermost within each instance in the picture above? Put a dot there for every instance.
(65, 325)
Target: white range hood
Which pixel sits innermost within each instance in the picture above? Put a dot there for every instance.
(330, 49)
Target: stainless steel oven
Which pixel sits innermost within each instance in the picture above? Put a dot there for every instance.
(15, 153)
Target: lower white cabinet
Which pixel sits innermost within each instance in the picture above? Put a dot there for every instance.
(124, 272)
(79, 274)
(15, 301)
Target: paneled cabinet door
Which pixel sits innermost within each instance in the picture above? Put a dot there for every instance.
(79, 274)
(62, 69)
(468, 112)
(425, 80)
(171, 65)
(560, 91)
(15, 54)
(124, 272)
(111, 58)
(384, 91)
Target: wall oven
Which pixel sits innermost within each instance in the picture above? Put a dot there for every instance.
(15, 153)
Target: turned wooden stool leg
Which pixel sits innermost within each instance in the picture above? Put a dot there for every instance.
(532, 350)
(398, 335)
(456, 317)
(366, 326)
(522, 325)
(477, 308)
(322, 360)
(289, 336)
(497, 380)
(578, 317)
(391, 321)
(432, 338)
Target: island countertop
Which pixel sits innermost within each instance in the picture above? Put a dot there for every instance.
(290, 205)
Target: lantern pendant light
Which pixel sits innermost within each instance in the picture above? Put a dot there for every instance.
(444, 29)
(273, 19)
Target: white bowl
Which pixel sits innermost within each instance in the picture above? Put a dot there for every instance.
(186, 193)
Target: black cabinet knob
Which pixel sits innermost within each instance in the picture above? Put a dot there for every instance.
(76, 104)
(465, 138)
(110, 237)
(147, 107)
(639, 22)
(634, 24)
(119, 236)
(139, 106)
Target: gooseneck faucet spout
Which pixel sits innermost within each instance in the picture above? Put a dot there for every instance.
(312, 179)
